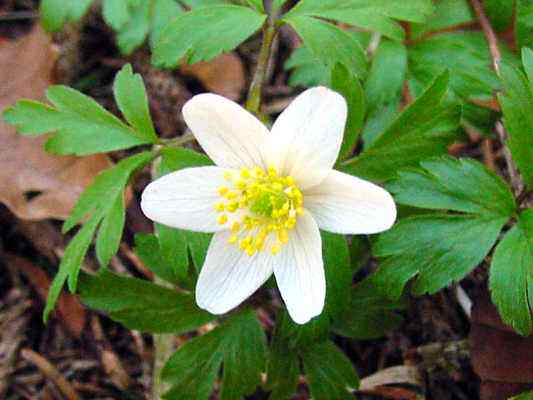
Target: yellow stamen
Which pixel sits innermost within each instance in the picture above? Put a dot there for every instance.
(222, 219)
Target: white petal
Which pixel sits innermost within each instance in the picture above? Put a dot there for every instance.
(229, 134)
(345, 204)
(229, 275)
(299, 271)
(306, 138)
(185, 199)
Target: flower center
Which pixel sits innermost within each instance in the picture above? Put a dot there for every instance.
(269, 204)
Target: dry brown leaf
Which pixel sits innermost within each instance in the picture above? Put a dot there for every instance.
(36, 185)
(223, 75)
(502, 359)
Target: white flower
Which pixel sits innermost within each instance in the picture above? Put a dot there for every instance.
(267, 198)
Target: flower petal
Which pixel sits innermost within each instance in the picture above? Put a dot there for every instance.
(299, 271)
(229, 275)
(345, 204)
(306, 138)
(229, 134)
(185, 199)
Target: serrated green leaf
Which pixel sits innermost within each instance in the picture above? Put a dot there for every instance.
(329, 44)
(343, 82)
(78, 9)
(383, 88)
(163, 12)
(368, 14)
(224, 28)
(174, 250)
(527, 60)
(283, 367)
(239, 344)
(500, 13)
(53, 14)
(369, 314)
(330, 374)
(80, 124)
(116, 13)
(100, 196)
(133, 33)
(516, 103)
(142, 305)
(447, 183)
(524, 23)
(423, 130)
(110, 232)
(148, 250)
(305, 70)
(101, 201)
(447, 13)
(71, 262)
(132, 100)
(511, 275)
(336, 255)
(436, 249)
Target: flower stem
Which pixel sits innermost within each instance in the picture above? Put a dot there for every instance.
(253, 102)
(177, 141)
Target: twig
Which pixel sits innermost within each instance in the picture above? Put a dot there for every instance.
(514, 176)
(464, 300)
(110, 361)
(18, 15)
(492, 40)
(50, 372)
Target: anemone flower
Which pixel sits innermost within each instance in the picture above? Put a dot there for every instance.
(266, 199)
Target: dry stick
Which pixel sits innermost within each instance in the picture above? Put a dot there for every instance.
(51, 372)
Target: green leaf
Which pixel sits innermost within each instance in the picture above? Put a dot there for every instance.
(336, 255)
(100, 196)
(517, 103)
(78, 9)
(383, 87)
(133, 33)
(523, 396)
(305, 70)
(174, 250)
(447, 183)
(257, 5)
(142, 305)
(283, 367)
(239, 344)
(53, 14)
(329, 44)
(448, 13)
(369, 314)
(524, 23)
(71, 262)
(223, 29)
(442, 248)
(330, 374)
(110, 232)
(511, 275)
(436, 249)
(343, 82)
(116, 13)
(374, 15)
(421, 131)
(132, 100)
(148, 250)
(500, 13)
(527, 59)
(164, 11)
(101, 201)
(80, 124)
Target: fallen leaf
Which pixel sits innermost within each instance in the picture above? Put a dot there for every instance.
(502, 359)
(36, 185)
(70, 310)
(223, 75)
